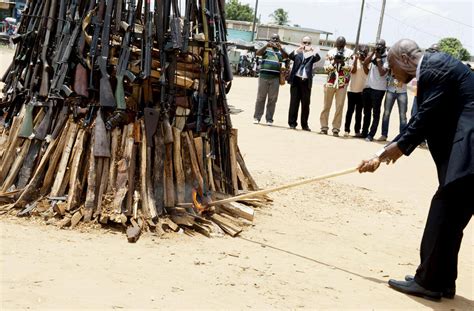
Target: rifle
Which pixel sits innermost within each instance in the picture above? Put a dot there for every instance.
(122, 66)
(147, 42)
(44, 88)
(186, 25)
(221, 32)
(63, 34)
(26, 129)
(97, 25)
(106, 94)
(80, 75)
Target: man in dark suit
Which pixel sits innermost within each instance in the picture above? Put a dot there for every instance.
(445, 118)
(301, 80)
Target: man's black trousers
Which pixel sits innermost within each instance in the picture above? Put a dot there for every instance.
(372, 105)
(300, 91)
(354, 103)
(451, 209)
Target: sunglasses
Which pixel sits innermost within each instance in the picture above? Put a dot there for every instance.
(274, 39)
(306, 42)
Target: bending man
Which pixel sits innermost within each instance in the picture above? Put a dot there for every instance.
(445, 96)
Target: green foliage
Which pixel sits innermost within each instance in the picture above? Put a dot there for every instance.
(280, 17)
(237, 11)
(454, 47)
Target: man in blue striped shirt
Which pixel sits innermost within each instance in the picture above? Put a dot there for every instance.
(269, 79)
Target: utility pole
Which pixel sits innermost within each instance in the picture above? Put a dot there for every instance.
(382, 12)
(360, 25)
(254, 19)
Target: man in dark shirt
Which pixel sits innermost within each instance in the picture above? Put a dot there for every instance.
(301, 80)
(445, 97)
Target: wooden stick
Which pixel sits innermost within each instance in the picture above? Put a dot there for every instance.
(233, 159)
(64, 159)
(113, 166)
(74, 181)
(240, 159)
(16, 166)
(283, 187)
(49, 177)
(178, 166)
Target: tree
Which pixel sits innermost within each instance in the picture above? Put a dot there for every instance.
(280, 17)
(237, 11)
(453, 47)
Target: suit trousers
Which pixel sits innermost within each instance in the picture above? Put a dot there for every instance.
(354, 103)
(451, 209)
(372, 104)
(300, 92)
(266, 88)
(329, 94)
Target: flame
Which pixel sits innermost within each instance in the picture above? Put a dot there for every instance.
(199, 201)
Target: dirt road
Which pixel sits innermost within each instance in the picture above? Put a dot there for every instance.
(328, 245)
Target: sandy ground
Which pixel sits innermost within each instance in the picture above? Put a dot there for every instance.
(329, 245)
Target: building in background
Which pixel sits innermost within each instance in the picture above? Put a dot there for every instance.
(7, 9)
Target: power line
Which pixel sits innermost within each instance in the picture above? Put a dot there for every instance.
(437, 14)
(413, 27)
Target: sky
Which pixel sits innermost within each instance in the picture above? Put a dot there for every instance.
(424, 21)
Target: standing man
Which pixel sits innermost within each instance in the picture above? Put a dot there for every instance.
(269, 79)
(354, 95)
(396, 91)
(338, 66)
(445, 118)
(301, 80)
(375, 88)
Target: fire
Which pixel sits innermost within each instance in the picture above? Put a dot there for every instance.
(199, 201)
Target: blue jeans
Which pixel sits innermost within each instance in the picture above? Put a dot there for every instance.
(402, 100)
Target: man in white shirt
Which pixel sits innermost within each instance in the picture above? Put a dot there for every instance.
(354, 95)
(375, 89)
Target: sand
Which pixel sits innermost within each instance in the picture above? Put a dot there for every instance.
(329, 245)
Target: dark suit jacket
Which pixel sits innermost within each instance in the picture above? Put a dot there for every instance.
(445, 117)
(298, 60)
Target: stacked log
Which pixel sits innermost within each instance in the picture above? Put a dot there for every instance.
(117, 113)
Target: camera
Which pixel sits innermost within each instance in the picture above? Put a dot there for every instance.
(380, 49)
(362, 54)
(339, 57)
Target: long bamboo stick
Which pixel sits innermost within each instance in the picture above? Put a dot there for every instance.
(282, 187)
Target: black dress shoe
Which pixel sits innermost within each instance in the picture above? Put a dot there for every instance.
(447, 292)
(412, 288)
(306, 129)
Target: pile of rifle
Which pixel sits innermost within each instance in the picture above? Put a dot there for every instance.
(115, 111)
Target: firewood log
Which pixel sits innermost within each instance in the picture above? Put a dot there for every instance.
(74, 180)
(178, 167)
(16, 166)
(252, 184)
(233, 159)
(71, 136)
(114, 155)
(49, 177)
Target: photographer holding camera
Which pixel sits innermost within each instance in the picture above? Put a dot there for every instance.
(338, 66)
(354, 93)
(301, 81)
(272, 55)
(375, 88)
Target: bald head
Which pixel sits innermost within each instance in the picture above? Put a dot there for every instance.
(403, 59)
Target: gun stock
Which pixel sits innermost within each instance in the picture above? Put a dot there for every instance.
(42, 129)
(27, 125)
